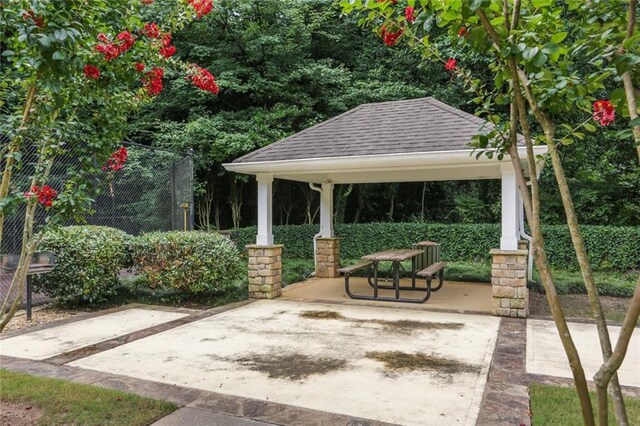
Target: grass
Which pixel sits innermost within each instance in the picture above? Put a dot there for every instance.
(65, 403)
(555, 405)
(614, 284)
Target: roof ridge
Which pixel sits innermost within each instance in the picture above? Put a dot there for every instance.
(308, 129)
(424, 98)
(462, 114)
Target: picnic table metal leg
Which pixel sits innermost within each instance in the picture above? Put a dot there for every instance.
(396, 278)
(375, 280)
(413, 272)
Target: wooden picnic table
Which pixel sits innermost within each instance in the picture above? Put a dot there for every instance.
(396, 256)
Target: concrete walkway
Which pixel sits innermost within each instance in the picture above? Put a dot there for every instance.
(545, 355)
(201, 417)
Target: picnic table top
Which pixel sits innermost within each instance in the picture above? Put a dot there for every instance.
(393, 255)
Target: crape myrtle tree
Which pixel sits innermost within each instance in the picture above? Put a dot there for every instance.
(72, 73)
(550, 60)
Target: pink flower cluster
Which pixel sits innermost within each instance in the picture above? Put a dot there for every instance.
(91, 71)
(410, 14)
(451, 65)
(167, 50)
(153, 81)
(45, 194)
(202, 7)
(390, 37)
(110, 49)
(603, 112)
(151, 30)
(203, 79)
(117, 160)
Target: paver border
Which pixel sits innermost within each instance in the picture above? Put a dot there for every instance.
(506, 394)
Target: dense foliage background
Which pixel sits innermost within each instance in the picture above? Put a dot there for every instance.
(288, 64)
(610, 248)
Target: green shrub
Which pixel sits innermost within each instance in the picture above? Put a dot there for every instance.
(610, 248)
(88, 259)
(193, 262)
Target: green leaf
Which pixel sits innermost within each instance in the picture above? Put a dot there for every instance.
(8, 53)
(58, 56)
(542, 3)
(631, 41)
(540, 59)
(590, 127)
(550, 48)
(558, 37)
(477, 4)
(530, 52)
(634, 122)
(60, 35)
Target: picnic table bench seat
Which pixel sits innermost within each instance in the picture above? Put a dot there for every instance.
(349, 269)
(430, 272)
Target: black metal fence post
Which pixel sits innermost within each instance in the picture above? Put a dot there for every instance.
(29, 297)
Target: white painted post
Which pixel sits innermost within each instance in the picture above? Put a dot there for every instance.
(509, 238)
(326, 211)
(265, 209)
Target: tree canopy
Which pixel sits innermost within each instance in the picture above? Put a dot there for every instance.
(285, 65)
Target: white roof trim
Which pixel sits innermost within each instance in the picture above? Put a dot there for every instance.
(381, 163)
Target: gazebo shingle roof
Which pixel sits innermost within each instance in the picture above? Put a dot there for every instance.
(397, 127)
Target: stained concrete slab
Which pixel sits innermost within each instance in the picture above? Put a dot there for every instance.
(279, 351)
(545, 354)
(54, 341)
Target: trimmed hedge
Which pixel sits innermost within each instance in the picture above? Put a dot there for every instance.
(610, 248)
(88, 259)
(194, 262)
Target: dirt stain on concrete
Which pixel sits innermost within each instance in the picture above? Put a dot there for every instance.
(292, 366)
(322, 315)
(398, 326)
(397, 361)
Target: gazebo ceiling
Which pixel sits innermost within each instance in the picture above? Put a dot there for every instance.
(399, 141)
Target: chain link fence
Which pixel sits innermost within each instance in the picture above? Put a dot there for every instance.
(152, 192)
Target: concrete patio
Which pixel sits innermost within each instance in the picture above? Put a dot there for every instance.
(454, 296)
(314, 362)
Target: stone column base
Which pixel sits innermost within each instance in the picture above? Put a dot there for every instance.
(327, 257)
(265, 271)
(509, 283)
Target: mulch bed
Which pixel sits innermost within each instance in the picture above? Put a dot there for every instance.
(576, 306)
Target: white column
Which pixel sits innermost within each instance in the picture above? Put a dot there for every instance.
(265, 209)
(509, 238)
(326, 211)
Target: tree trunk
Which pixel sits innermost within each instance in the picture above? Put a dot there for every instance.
(537, 240)
(587, 275)
(627, 80)
(362, 193)
(41, 174)
(235, 202)
(610, 366)
(583, 260)
(12, 149)
(422, 202)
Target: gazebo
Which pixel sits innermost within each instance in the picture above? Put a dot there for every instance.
(413, 140)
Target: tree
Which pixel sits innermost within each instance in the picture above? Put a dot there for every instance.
(534, 46)
(73, 71)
